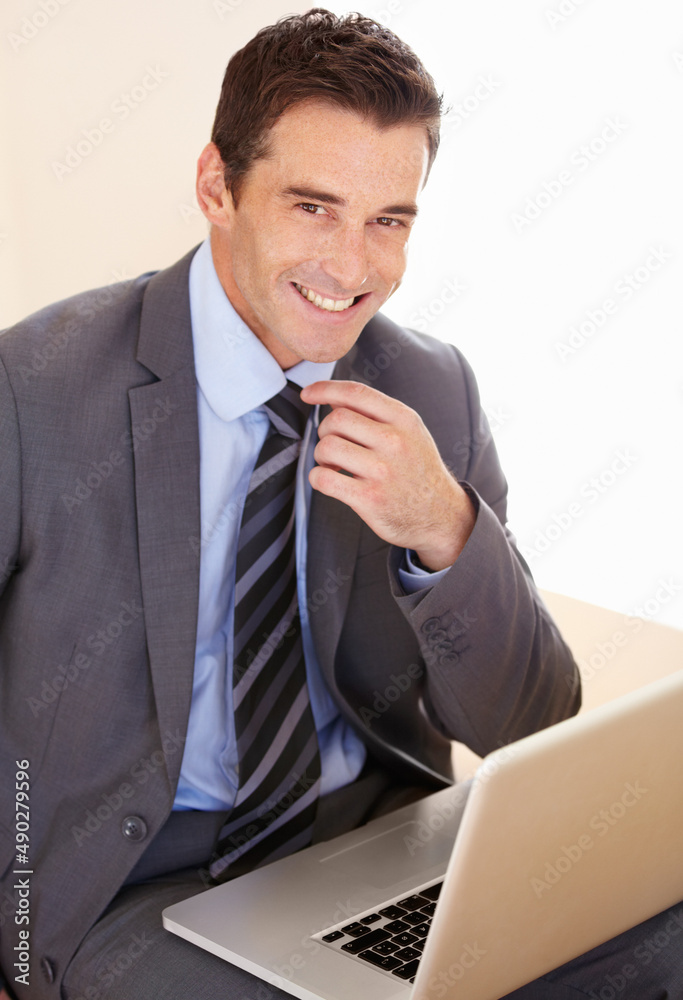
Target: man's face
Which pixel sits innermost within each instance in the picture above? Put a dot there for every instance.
(327, 213)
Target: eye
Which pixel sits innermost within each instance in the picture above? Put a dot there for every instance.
(310, 208)
(388, 223)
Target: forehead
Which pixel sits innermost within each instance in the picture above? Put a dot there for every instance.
(322, 142)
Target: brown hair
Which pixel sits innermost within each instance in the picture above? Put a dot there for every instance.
(351, 61)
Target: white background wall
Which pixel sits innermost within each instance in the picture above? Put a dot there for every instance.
(589, 428)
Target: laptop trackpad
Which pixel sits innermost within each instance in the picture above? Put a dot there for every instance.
(406, 851)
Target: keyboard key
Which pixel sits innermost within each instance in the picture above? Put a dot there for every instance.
(422, 930)
(367, 940)
(355, 929)
(396, 926)
(428, 910)
(432, 892)
(392, 912)
(332, 936)
(400, 939)
(406, 971)
(385, 948)
(381, 961)
(411, 902)
(407, 954)
(414, 917)
(371, 918)
(420, 945)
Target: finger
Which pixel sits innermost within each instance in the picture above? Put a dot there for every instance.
(337, 485)
(354, 396)
(353, 426)
(334, 452)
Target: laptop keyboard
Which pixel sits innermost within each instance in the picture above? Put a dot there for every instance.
(390, 937)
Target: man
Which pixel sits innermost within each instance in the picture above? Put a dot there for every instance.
(186, 701)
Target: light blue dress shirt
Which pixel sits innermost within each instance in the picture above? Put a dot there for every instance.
(236, 374)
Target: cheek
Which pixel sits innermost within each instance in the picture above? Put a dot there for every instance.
(297, 242)
(254, 258)
(390, 258)
(279, 250)
(249, 243)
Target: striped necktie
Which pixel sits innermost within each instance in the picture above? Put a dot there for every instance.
(277, 745)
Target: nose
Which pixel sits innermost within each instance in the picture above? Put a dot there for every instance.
(345, 259)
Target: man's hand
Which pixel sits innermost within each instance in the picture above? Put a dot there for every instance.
(397, 482)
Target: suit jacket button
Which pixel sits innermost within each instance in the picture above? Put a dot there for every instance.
(431, 624)
(134, 828)
(448, 658)
(47, 967)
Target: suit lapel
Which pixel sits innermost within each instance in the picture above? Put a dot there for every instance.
(166, 456)
(333, 538)
(333, 535)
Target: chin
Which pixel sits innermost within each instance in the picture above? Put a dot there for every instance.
(327, 352)
(321, 346)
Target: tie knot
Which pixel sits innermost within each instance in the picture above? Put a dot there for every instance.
(287, 411)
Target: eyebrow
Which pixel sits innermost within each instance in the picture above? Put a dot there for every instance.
(311, 194)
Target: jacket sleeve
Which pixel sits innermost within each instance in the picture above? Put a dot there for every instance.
(497, 666)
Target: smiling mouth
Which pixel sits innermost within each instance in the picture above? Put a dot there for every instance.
(329, 305)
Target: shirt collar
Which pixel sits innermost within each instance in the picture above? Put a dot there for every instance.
(235, 372)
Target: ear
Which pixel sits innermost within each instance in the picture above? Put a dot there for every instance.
(213, 197)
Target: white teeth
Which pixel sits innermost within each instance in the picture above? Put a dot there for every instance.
(331, 305)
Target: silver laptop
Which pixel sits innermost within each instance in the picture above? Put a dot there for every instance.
(560, 841)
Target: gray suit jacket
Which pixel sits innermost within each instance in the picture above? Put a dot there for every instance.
(99, 568)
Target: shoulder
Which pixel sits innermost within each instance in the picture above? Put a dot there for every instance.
(93, 335)
(86, 312)
(69, 336)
